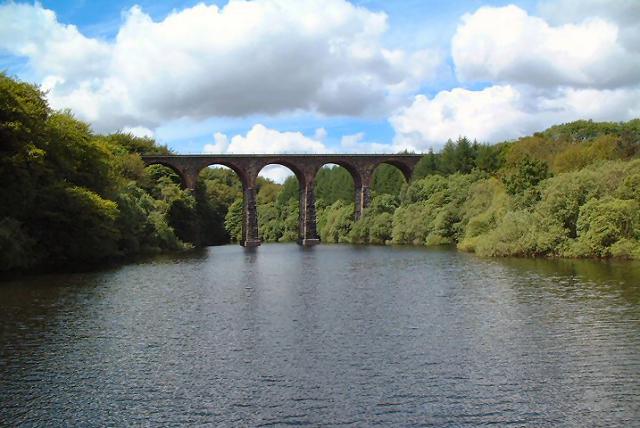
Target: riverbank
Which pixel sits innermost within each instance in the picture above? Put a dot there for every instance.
(589, 213)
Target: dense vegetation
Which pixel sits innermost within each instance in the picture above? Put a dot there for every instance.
(70, 196)
(570, 191)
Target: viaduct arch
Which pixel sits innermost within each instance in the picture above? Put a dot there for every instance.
(305, 167)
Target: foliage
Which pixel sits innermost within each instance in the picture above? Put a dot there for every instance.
(233, 220)
(77, 225)
(72, 197)
(16, 244)
(387, 179)
(525, 174)
(335, 222)
(334, 183)
(604, 222)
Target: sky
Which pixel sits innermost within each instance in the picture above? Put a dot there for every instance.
(327, 76)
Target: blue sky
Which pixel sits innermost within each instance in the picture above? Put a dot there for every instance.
(332, 75)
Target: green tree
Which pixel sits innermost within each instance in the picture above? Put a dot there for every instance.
(17, 246)
(335, 222)
(75, 225)
(334, 183)
(289, 190)
(233, 220)
(526, 174)
(428, 165)
(603, 222)
(387, 179)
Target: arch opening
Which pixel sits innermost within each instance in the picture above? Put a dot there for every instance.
(160, 171)
(388, 179)
(375, 225)
(219, 204)
(278, 203)
(335, 182)
(177, 222)
(335, 187)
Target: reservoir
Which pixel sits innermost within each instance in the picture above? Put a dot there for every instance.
(331, 335)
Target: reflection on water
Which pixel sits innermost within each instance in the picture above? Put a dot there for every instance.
(330, 335)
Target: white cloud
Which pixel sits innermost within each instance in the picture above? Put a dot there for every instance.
(489, 115)
(260, 139)
(578, 65)
(138, 131)
(220, 145)
(504, 112)
(625, 12)
(276, 173)
(320, 134)
(506, 45)
(52, 48)
(350, 140)
(356, 143)
(249, 57)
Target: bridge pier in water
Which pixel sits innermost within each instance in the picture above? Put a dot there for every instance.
(305, 167)
(250, 237)
(307, 234)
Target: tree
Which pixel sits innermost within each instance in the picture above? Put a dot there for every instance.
(289, 190)
(427, 165)
(527, 173)
(603, 222)
(183, 218)
(387, 179)
(334, 183)
(233, 220)
(75, 225)
(76, 156)
(336, 222)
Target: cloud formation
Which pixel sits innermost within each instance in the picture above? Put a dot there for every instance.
(539, 74)
(507, 45)
(260, 139)
(517, 72)
(503, 112)
(249, 57)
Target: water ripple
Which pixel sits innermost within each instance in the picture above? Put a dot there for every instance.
(337, 336)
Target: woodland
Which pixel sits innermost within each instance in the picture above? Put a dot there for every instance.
(73, 197)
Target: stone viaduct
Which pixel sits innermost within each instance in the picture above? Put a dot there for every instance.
(305, 168)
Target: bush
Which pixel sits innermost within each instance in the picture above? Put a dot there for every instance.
(76, 225)
(336, 222)
(17, 247)
(603, 222)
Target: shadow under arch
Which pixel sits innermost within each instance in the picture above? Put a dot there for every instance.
(219, 199)
(240, 172)
(183, 180)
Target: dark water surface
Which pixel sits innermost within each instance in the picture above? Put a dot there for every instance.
(333, 335)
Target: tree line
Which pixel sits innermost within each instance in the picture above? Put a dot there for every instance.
(570, 191)
(72, 197)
